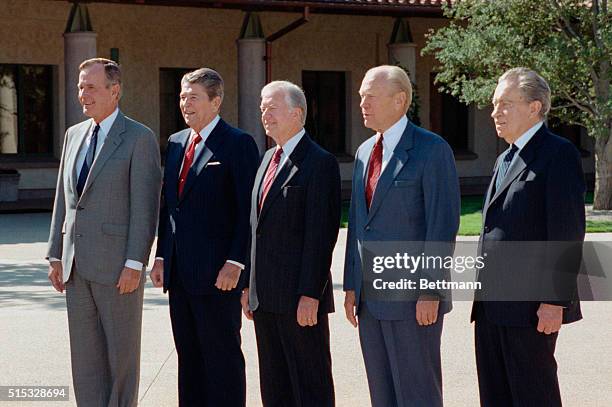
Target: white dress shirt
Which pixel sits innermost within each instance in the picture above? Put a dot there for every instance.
(391, 138)
(287, 151)
(199, 149)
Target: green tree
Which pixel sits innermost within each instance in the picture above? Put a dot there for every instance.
(569, 42)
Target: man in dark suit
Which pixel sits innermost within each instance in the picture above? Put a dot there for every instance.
(295, 216)
(405, 189)
(536, 196)
(202, 243)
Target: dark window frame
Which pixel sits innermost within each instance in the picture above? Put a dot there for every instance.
(343, 153)
(438, 104)
(21, 155)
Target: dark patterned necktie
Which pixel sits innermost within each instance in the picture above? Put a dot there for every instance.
(89, 159)
(504, 165)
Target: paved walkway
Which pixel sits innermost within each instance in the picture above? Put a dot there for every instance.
(34, 337)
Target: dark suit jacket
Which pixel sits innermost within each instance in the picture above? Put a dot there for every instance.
(540, 200)
(293, 237)
(209, 224)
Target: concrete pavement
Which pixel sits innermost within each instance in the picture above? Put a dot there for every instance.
(34, 347)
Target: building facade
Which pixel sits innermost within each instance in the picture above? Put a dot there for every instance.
(325, 46)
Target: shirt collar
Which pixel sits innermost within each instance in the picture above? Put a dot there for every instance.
(525, 137)
(107, 124)
(393, 134)
(293, 142)
(205, 132)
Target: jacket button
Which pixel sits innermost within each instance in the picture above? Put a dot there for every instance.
(178, 210)
(367, 228)
(79, 235)
(487, 229)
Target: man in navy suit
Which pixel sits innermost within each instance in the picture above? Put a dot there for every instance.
(202, 243)
(295, 216)
(405, 189)
(536, 196)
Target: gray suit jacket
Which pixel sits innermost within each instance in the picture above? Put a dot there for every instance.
(116, 216)
(416, 200)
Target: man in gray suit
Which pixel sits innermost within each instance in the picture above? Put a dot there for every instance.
(405, 189)
(102, 229)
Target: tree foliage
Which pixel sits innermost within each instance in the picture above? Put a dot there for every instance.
(569, 42)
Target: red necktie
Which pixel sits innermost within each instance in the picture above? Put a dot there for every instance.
(374, 170)
(187, 162)
(270, 175)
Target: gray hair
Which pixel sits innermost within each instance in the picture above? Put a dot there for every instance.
(532, 86)
(209, 79)
(397, 77)
(294, 95)
(112, 70)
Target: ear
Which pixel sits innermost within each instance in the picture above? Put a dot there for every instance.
(115, 90)
(400, 99)
(535, 107)
(216, 102)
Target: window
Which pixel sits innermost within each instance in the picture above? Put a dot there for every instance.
(26, 110)
(448, 118)
(170, 116)
(326, 101)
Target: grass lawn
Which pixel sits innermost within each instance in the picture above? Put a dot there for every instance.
(471, 217)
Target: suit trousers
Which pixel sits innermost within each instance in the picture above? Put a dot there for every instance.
(402, 360)
(294, 362)
(105, 329)
(516, 365)
(206, 328)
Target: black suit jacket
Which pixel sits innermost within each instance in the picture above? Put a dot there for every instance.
(541, 200)
(293, 237)
(209, 224)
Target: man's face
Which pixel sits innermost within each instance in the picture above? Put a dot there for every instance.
(512, 114)
(280, 120)
(98, 99)
(197, 108)
(381, 105)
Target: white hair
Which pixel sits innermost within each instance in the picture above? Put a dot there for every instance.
(294, 95)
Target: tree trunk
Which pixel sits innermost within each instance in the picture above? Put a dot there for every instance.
(603, 173)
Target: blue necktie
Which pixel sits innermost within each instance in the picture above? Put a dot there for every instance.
(89, 158)
(504, 165)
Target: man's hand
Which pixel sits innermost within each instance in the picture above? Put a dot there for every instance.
(56, 276)
(228, 277)
(244, 301)
(129, 280)
(157, 273)
(427, 310)
(350, 307)
(550, 318)
(307, 311)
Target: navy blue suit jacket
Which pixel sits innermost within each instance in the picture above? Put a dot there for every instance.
(540, 200)
(209, 224)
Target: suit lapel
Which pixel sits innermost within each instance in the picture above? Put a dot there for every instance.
(173, 161)
(524, 157)
(261, 171)
(287, 172)
(113, 140)
(398, 159)
(212, 144)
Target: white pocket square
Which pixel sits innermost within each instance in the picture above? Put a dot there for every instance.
(213, 163)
